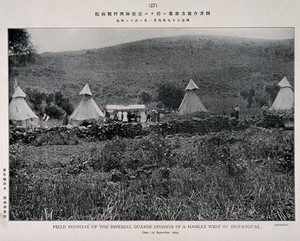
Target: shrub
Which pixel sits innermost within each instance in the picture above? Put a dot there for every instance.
(111, 156)
(54, 111)
(272, 90)
(56, 104)
(54, 137)
(67, 106)
(170, 95)
(146, 96)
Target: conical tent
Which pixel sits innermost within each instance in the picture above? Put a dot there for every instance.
(20, 113)
(191, 102)
(285, 97)
(87, 109)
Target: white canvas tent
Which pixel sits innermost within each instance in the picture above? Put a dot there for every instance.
(20, 113)
(87, 109)
(139, 108)
(285, 97)
(191, 102)
(111, 108)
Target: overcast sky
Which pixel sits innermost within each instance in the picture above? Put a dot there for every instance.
(57, 40)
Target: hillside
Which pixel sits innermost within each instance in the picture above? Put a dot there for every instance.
(220, 66)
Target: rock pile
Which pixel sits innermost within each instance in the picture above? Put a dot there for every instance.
(200, 126)
(65, 135)
(271, 120)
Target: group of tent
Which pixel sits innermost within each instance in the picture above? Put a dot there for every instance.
(20, 114)
(191, 102)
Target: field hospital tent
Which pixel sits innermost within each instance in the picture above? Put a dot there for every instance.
(141, 109)
(285, 97)
(87, 109)
(20, 113)
(191, 102)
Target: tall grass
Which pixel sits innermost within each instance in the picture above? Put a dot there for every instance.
(242, 175)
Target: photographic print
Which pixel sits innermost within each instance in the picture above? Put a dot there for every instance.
(185, 124)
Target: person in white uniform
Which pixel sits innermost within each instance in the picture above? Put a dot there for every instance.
(125, 116)
(120, 116)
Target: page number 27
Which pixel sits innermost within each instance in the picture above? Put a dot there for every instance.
(152, 5)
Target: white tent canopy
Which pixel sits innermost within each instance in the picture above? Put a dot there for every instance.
(110, 108)
(285, 97)
(87, 109)
(191, 102)
(19, 112)
(139, 108)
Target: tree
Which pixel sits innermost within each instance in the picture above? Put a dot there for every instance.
(170, 95)
(63, 102)
(54, 105)
(145, 96)
(35, 97)
(261, 100)
(20, 49)
(272, 90)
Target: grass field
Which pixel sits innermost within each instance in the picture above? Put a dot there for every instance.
(238, 175)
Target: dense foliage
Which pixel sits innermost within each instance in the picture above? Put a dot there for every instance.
(55, 105)
(146, 96)
(20, 48)
(170, 95)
